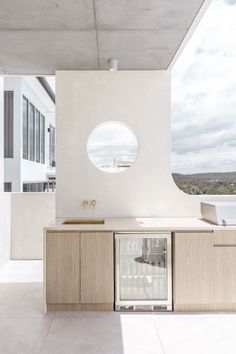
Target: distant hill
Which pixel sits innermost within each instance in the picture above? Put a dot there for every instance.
(206, 183)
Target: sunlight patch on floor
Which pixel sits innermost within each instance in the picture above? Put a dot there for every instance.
(139, 334)
(22, 272)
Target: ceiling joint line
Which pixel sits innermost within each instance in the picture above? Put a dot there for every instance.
(97, 43)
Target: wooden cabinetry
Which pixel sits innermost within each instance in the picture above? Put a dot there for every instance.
(204, 271)
(63, 268)
(224, 243)
(79, 270)
(97, 268)
(224, 238)
(193, 283)
(225, 277)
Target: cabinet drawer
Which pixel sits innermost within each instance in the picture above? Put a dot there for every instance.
(224, 238)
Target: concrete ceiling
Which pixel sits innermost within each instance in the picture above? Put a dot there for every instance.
(41, 36)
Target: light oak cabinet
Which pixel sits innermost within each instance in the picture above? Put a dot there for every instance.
(204, 271)
(224, 238)
(97, 268)
(79, 270)
(224, 243)
(63, 268)
(193, 270)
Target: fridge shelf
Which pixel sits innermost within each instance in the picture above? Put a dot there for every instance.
(139, 253)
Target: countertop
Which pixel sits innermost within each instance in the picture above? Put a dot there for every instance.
(140, 225)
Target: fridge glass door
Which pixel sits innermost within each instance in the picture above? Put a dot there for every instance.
(143, 269)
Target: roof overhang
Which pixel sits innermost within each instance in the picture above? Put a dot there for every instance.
(39, 37)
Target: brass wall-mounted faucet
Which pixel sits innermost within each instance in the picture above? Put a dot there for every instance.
(92, 204)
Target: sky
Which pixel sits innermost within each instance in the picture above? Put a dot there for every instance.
(204, 95)
(51, 81)
(112, 134)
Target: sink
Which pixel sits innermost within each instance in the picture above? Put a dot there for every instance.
(220, 213)
(84, 222)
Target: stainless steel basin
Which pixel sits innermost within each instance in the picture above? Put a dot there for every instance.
(84, 222)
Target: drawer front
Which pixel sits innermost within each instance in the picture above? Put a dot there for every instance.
(224, 238)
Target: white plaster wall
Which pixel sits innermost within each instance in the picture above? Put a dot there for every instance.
(5, 226)
(30, 212)
(140, 99)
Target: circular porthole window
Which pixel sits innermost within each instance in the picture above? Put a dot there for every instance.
(112, 147)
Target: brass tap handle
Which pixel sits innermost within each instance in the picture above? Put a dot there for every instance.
(85, 204)
(93, 203)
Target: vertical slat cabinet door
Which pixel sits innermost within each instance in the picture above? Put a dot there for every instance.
(225, 277)
(63, 268)
(193, 271)
(97, 268)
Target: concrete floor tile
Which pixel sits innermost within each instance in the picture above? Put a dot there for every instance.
(87, 336)
(22, 300)
(23, 336)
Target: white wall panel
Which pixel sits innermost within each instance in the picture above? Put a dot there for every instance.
(30, 213)
(140, 99)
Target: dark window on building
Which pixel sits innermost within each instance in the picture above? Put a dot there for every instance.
(25, 128)
(42, 139)
(33, 187)
(37, 135)
(52, 155)
(31, 132)
(40, 186)
(7, 187)
(8, 123)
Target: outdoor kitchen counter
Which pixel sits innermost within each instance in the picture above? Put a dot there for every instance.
(139, 225)
(79, 258)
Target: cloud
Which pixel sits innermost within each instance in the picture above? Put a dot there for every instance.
(112, 134)
(204, 95)
(230, 2)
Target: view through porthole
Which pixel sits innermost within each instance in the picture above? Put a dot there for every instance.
(112, 147)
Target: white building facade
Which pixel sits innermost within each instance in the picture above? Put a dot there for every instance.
(29, 135)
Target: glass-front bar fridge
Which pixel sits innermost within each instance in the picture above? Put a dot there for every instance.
(143, 272)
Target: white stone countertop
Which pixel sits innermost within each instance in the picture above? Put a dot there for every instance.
(139, 225)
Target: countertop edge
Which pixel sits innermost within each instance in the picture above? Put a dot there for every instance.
(140, 225)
